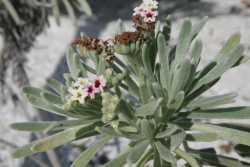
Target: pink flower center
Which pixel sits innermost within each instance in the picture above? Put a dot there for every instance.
(97, 83)
(149, 14)
(90, 89)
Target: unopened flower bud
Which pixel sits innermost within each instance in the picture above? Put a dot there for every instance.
(109, 104)
(125, 43)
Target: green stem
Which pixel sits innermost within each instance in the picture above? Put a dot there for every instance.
(157, 159)
(144, 159)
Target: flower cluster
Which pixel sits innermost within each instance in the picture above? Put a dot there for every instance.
(147, 11)
(126, 37)
(89, 43)
(127, 42)
(85, 45)
(84, 88)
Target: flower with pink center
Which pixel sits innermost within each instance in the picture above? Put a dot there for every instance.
(150, 16)
(99, 83)
(147, 10)
(86, 87)
(90, 91)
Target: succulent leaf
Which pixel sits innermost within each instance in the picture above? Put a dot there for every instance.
(86, 156)
(137, 151)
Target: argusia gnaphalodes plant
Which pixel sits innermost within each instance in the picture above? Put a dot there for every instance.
(140, 87)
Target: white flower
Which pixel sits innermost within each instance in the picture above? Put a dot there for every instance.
(77, 95)
(139, 10)
(150, 4)
(81, 82)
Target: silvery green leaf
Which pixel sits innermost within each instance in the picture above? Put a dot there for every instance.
(125, 111)
(228, 62)
(23, 151)
(52, 141)
(145, 93)
(69, 10)
(198, 27)
(221, 113)
(218, 160)
(133, 87)
(12, 11)
(72, 63)
(106, 131)
(147, 129)
(32, 126)
(84, 6)
(56, 11)
(128, 129)
(88, 154)
(32, 91)
(40, 103)
(146, 59)
(176, 139)
(101, 66)
(145, 157)
(52, 98)
(165, 153)
(157, 28)
(188, 158)
(211, 102)
(120, 160)
(157, 159)
(178, 100)
(89, 69)
(137, 151)
(50, 125)
(149, 108)
(205, 70)
(57, 86)
(200, 91)
(183, 41)
(34, 95)
(62, 138)
(163, 51)
(157, 89)
(68, 79)
(169, 131)
(196, 53)
(234, 135)
(231, 43)
(181, 77)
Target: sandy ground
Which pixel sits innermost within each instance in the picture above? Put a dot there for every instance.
(45, 59)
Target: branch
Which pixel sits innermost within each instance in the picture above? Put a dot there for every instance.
(12, 12)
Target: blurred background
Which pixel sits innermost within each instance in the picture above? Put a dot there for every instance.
(35, 35)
